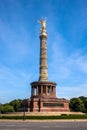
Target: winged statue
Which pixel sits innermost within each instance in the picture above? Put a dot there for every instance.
(43, 23)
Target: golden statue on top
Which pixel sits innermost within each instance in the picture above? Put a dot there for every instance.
(43, 23)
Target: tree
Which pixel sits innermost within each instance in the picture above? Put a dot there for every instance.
(7, 108)
(84, 100)
(16, 104)
(85, 104)
(77, 105)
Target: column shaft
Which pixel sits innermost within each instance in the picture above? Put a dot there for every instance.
(43, 59)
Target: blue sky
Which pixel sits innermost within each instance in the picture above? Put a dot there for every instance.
(19, 46)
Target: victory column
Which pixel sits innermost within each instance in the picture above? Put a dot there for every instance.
(43, 92)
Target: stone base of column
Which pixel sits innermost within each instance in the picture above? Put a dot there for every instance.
(44, 100)
(48, 105)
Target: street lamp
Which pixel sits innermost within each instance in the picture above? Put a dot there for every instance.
(24, 113)
(0, 108)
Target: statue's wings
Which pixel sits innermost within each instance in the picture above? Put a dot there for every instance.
(40, 21)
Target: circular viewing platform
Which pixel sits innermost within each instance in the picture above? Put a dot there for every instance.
(48, 83)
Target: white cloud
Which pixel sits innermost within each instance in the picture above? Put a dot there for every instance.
(82, 63)
(70, 92)
(15, 78)
(13, 84)
(16, 45)
(64, 65)
(59, 63)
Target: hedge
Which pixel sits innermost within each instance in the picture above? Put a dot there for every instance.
(63, 116)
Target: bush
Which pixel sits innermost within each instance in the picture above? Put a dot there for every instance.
(78, 104)
(6, 108)
(45, 117)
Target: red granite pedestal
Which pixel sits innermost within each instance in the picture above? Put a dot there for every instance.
(43, 98)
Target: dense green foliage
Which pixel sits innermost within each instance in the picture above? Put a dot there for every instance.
(14, 106)
(6, 108)
(64, 116)
(78, 104)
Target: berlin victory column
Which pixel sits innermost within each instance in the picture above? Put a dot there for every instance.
(43, 92)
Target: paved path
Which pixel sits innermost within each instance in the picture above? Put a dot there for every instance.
(17, 125)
